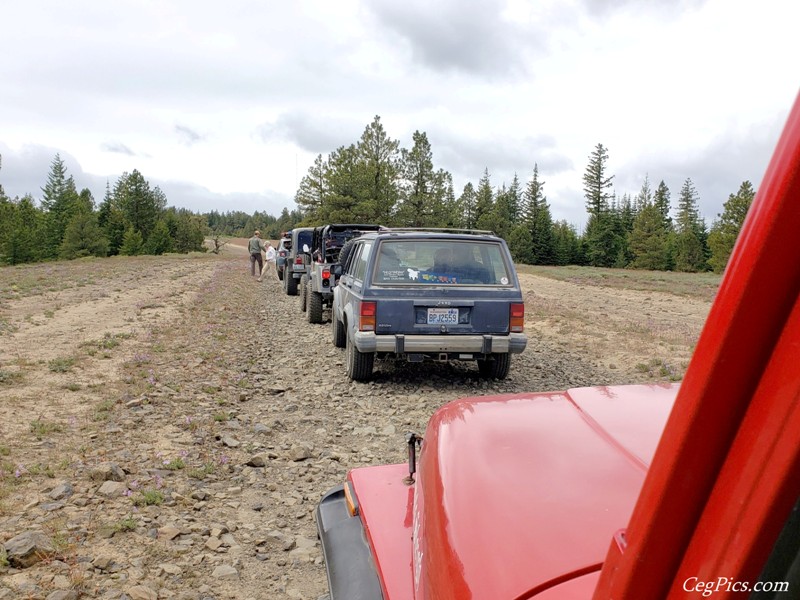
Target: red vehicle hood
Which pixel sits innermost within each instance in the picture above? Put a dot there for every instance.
(518, 493)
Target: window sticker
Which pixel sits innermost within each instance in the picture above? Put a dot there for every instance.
(437, 278)
(409, 275)
(504, 280)
(394, 275)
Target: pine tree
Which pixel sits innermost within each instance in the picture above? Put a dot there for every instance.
(726, 228)
(25, 238)
(602, 241)
(484, 198)
(627, 212)
(114, 228)
(140, 205)
(520, 244)
(159, 241)
(7, 211)
(190, 232)
(56, 188)
(467, 202)
(566, 244)
(602, 236)
(644, 197)
(596, 184)
(378, 158)
(690, 248)
(661, 201)
(343, 201)
(311, 194)
(536, 215)
(648, 241)
(500, 218)
(132, 243)
(59, 200)
(515, 198)
(622, 215)
(83, 237)
(416, 165)
(443, 200)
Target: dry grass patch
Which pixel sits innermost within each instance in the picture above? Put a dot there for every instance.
(44, 428)
(9, 377)
(702, 286)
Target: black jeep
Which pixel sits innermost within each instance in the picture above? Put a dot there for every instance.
(316, 285)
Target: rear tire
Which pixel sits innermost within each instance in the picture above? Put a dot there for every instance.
(338, 333)
(496, 367)
(302, 292)
(314, 306)
(291, 286)
(359, 364)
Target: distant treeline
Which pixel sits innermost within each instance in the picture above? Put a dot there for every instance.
(376, 181)
(133, 218)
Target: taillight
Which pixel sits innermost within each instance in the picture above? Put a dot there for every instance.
(366, 316)
(516, 318)
(326, 274)
(298, 260)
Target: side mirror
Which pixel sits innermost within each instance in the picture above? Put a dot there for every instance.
(336, 270)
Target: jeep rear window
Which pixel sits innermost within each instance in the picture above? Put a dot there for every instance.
(441, 262)
(304, 237)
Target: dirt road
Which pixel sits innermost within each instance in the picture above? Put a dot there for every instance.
(169, 424)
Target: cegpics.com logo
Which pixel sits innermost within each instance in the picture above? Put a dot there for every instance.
(726, 584)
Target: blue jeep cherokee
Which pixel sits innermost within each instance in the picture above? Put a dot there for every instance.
(428, 295)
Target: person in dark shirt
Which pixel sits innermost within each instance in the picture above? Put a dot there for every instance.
(255, 245)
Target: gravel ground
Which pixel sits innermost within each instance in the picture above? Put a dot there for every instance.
(170, 426)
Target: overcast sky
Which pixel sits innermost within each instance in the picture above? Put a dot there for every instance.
(224, 105)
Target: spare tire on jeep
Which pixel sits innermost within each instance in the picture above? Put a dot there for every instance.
(345, 251)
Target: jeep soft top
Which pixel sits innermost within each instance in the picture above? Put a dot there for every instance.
(316, 287)
(329, 239)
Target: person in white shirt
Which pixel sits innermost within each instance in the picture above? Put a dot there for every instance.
(269, 264)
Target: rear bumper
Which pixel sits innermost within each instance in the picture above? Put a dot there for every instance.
(367, 341)
(348, 560)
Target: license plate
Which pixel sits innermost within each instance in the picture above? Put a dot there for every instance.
(442, 316)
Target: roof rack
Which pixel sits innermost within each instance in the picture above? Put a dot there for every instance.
(440, 230)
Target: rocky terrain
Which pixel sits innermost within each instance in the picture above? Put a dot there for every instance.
(168, 424)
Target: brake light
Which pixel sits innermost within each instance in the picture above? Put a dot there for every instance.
(516, 318)
(326, 273)
(366, 316)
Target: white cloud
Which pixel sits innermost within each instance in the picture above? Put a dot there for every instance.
(227, 108)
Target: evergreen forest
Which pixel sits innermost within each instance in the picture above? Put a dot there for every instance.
(375, 180)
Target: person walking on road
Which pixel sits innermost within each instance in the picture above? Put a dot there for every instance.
(270, 263)
(255, 245)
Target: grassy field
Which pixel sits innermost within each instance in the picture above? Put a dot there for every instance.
(702, 286)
